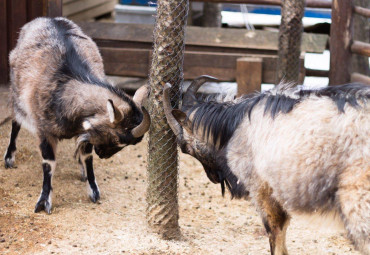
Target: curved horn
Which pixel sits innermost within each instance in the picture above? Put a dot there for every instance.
(193, 88)
(141, 129)
(174, 125)
(141, 94)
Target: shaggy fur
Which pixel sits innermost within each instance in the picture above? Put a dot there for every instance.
(59, 91)
(292, 151)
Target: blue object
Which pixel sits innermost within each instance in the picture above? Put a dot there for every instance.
(139, 2)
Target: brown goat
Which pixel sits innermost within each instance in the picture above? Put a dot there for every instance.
(59, 91)
(293, 151)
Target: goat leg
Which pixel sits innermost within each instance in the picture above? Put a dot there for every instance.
(9, 156)
(48, 149)
(274, 218)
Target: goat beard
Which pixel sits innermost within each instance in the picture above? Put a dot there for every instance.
(223, 180)
(81, 142)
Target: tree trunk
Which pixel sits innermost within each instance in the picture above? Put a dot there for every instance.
(211, 15)
(290, 34)
(167, 64)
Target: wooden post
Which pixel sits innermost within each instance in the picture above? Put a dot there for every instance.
(167, 66)
(4, 69)
(248, 75)
(340, 42)
(53, 8)
(13, 15)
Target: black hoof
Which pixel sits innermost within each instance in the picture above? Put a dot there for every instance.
(43, 205)
(83, 178)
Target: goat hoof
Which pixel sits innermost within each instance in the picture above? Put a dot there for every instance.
(9, 163)
(95, 196)
(83, 178)
(43, 205)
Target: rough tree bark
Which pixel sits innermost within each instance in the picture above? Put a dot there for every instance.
(167, 62)
(290, 34)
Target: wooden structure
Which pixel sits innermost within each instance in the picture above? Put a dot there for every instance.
(342, 44)
(13, 15)
(87, 9)
(127, 50)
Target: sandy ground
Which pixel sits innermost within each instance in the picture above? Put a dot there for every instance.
(209, 223)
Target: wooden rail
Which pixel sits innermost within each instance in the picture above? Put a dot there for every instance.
(360, 48)
(362, 11)
(357, 77)
(309, 3)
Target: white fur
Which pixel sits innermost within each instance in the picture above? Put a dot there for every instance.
(87, 125)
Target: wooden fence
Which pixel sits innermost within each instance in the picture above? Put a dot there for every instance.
(13, 15)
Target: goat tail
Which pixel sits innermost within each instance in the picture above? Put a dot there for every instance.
(4, 121)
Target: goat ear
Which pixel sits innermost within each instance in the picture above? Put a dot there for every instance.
(86, 125)
(114, 113)
(181, 118)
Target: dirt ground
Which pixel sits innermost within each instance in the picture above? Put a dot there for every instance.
(209, 223)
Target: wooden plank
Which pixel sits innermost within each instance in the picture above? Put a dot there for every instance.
(94, 12)
(340, 37)
(81, 5)
(202, 37)
(126, 62)
(309, 3)
(362, 11)
(361, 48)
(34, 9)
(248, 75)
(357, 77)
(4, 68)
(53, 8)
(317, 73)
(16, 18)
(68, 1)
(136, 63)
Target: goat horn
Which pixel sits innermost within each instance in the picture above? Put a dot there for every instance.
(193, 88)
(174, 125)
(141, 129)
(141, 94)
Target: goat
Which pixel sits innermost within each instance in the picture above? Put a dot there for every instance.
(59, 91)
(292, 151)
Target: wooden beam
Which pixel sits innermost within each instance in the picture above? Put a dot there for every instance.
(362, 11)
(360, 48)
(340, 38)
(79, 6)
(309, 3)
(136, 63)
(357, 77)
(231, 40)
(34, 9)
(53, 8)
(106, 7)
(248, 75)
(16, 18)
(126, 62)
(317, 73)
(4, 68)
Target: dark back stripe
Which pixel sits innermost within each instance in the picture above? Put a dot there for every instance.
(220, 120)
(74, 67)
